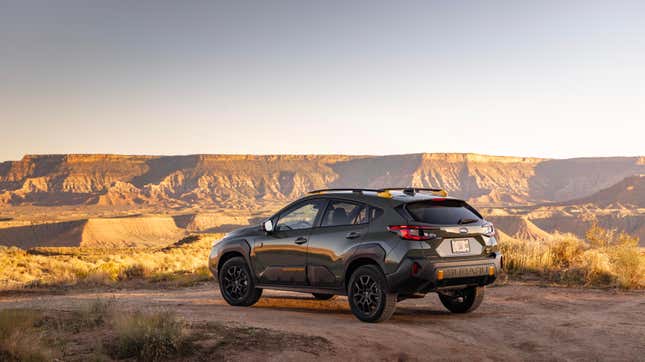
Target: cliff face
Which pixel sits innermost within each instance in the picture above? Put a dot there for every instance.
(244, 181)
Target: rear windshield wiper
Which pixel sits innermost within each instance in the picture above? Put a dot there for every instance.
(466, 221)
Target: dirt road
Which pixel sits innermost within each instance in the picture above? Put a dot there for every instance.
(514, 323)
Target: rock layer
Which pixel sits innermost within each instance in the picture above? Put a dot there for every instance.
(244, 181)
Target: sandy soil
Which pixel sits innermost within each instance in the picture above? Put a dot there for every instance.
(514, 323)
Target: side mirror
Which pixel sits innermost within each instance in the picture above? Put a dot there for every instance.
(268, 226)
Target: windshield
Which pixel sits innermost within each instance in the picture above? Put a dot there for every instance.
(444, 212)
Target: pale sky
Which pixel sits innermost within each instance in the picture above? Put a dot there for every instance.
(527, 78)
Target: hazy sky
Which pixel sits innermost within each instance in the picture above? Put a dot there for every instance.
(528, 78)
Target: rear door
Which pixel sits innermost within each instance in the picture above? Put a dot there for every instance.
(279, 257)
(343, 224)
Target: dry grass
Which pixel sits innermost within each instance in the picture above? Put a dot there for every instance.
(19, 339)
(182, 264)
(148, 336)
(607, 259)
(102, 330)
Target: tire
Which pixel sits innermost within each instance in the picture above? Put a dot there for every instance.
(464, 300)
(319, 296)
(236, 283)
(368, 297)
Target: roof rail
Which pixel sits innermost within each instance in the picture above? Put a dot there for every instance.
(356, 190)
(385, 190)
(414, 190)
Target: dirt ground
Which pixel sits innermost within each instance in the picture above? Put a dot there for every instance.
(515, 322)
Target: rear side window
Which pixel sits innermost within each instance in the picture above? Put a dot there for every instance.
(345, 213)
(445, 212)
(376, 213)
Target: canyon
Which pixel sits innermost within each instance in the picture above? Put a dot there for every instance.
(125, 201)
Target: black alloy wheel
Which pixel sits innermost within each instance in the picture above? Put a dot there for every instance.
(236, 284)
(368, 296)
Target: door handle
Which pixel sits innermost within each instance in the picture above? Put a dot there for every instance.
(300, 240)
(352, 235)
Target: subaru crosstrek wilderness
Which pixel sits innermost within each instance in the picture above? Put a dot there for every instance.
(375, 246)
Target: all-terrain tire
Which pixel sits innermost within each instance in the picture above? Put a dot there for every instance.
(320, 296)
(368, 295)
(464, 301)
(236, 283)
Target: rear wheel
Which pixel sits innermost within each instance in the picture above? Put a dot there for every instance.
(463, 300)
(236, 284)
(320, 296)
(368, 295)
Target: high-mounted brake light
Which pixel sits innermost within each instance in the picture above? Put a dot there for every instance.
(412, 232)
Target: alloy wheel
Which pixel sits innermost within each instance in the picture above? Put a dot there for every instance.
(236, 282)
(366, 294)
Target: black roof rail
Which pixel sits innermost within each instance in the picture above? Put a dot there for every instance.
(406, 190)
(356, 190)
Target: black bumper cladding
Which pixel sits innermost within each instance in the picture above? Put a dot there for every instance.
(435, 275)
(465, 271)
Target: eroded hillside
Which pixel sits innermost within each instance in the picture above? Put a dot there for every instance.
(72, 200)
(244, 181)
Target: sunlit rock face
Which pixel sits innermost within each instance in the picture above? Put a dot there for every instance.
(242, 181)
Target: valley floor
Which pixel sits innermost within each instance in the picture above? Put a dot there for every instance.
(515, 322)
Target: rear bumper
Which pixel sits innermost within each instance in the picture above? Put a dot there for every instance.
(432, 275)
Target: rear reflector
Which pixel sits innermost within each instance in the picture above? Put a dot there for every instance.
(415, 268)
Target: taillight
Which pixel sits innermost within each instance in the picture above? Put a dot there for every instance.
(412, 232)
(489, 229)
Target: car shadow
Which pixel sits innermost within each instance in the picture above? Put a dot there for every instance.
(338, 305)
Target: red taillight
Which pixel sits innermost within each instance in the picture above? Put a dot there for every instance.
(412, 232)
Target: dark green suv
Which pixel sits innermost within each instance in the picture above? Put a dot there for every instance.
(375, 246)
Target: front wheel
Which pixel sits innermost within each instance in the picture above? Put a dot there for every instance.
(368, 295)
(463, 300)
(236, 284)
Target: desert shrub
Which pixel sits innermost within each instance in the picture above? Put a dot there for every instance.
(597, 236)
(94, 313)
(610, 259)
(47, 267)
(566, 251)
(19, 340)
(133, 272)
(595, 269)
(147, 336)
(529, 256)
(629, 265)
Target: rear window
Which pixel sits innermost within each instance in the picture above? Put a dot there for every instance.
(446, 212)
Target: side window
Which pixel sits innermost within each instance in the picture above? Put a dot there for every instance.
(376, 212)
(345, 213)
(302, 217)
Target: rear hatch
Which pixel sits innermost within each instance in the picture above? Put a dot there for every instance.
(453, 228)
